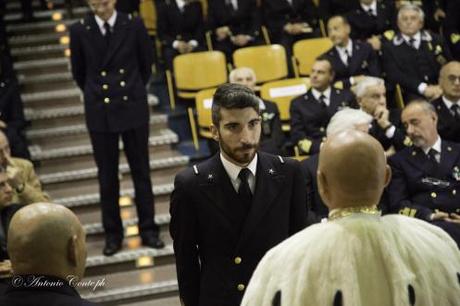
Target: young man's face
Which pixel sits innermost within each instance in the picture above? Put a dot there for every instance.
(102, 7)
(321, 75)
(338, 30)
(238, 134)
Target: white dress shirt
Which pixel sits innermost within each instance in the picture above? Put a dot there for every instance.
(343, 56)
(326, 93)
(450, 103)
(437, 148)
(233, 171)
(111, 22)
(372, 6)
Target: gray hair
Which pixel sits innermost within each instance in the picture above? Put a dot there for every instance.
(424, 104)
(411, 7)
(367, 82)
(347, 119)
(232, 75)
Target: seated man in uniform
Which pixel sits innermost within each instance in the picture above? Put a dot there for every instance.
(386, 126)
(358, 257)
(46, 243)
(311, 112)
(448, 105)
(413, 57)
(426, 176)
(350, 59)
(272, 137)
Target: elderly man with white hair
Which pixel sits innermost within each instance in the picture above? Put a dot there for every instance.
(412, 57)
(345, 119)
(386, 126)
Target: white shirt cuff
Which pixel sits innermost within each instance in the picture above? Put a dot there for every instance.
(175, 44)
(421, 88)
(193, 43)
(352, 81)
(390, 132)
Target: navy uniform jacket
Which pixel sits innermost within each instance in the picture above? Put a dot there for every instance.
(448, 125)
(277, 13)
(43, 295)
(245, 20)
(417, 190)
(399, 139)
(364, 25)
(329, 8)
(174, 24)
(309, 119)
(363, 61)
(112, 79)
(272, 136)
(409, 67)
(451, 27)
(217, 246)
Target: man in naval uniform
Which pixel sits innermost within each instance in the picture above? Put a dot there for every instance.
(426, 176)
(111, 63)
(229, 210)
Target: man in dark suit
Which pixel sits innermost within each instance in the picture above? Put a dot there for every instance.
(345, 119)
(228, 211)
(272, 137)
(371, 19)
(426, 176)
(451, 27)
(448, 105)
(111, 63)
(289, 21)
(234, 24)
(351, 59)
(43, 277)
(413, 57)
(180, 28)
(311, 112)
(329, 8)
(386, 126)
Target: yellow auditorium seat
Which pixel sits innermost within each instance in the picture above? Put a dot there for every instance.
(203, 102)
(200, 70)
(268, 62)
(282, 92)
(306, 51)
(399, 97)
(148, 13)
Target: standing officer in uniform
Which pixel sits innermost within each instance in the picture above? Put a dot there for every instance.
(228, 211)
(310, 113)
(426, 176)
(350, 59)
(448, 105)
(413, 57)
(111, 63)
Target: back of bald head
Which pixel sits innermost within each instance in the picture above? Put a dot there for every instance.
(352, 170)
(46, 239)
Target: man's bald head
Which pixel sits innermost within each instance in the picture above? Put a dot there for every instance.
(46, 239)
(352, 170)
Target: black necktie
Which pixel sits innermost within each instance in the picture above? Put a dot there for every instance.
(347, 57)
(244, 192)
(370, 12)
(412, 43)
(432, 154)
(108, 32)
(322, 100)
(455, 110)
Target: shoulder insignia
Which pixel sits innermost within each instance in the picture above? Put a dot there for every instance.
(454, 38)
(407, 142)
(130, 16)
(414, 153)
(281, 159)
(426, 36)
(195, 170)
(389, 34)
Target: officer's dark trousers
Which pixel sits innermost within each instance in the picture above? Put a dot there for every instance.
(106, 154)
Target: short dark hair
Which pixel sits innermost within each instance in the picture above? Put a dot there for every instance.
(344, 19)
(231, 96)
(324, 58)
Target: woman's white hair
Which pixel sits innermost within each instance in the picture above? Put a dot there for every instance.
(367, 82)
(347, 119)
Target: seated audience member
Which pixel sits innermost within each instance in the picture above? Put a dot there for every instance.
(345, 119)
(351, 59)
(234, 24)
(413, 57)
(46, 243)
(451, 28)
(328, 8)
(386, 126)
(434, 11)
(8, 209)
(272, 137)
(358, 257)
(426, 176)
(370, 20)
(180, 28)
(21, 176)
(311, 112)
(11, 108)
(448, 105)
(289, 21)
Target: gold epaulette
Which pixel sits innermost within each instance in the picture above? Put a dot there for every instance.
(389, 34)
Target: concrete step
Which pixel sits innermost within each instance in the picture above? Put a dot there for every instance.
(39, 39)
(39, 52)
(61, 62)
(48, 26)
(54, 151)
(43, 15)
(44, 78)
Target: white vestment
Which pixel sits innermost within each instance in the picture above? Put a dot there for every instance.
(371, 260)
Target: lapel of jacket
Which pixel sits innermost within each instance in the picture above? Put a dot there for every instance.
(444, 113)
(96, 36)
(217, 187)
(118, 35)
(449, 156)
(338, 60)
(268, 184)
(420, 160)
(355, 59)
